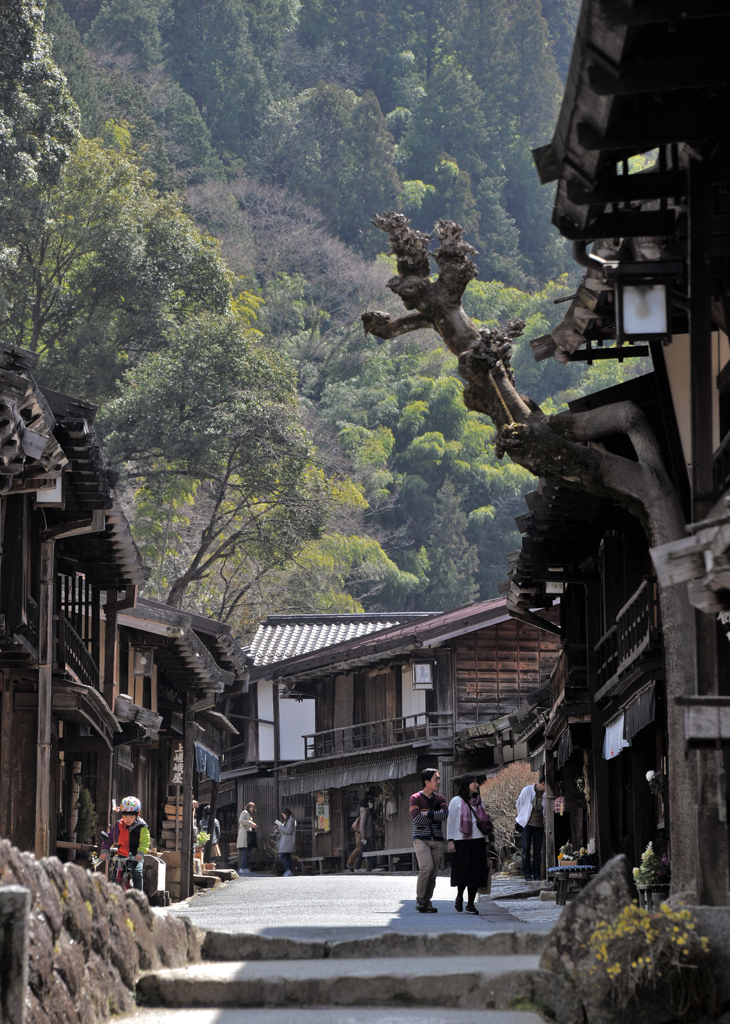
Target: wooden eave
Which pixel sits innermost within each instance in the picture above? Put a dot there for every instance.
(635, 83)
(76, 702)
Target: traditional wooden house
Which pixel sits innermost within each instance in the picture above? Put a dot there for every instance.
(96, 684)
(390, 703)
(273, 730)
(662, 240)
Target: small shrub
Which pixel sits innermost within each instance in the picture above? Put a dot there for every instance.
(499, 796)
(641, 952)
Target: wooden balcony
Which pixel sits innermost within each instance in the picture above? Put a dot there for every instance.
(74, 656)
(427, 729)
(634, 636)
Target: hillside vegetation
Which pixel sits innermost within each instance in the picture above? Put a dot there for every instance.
(195, 256)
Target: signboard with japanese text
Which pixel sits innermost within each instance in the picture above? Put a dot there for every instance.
(177, 764)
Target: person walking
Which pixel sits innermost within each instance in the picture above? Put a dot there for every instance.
(428, 810)
(287, 839)
(214, 831)
(358, 845)
(531, 818)
(467, 830)
(246, 833)
(367, 829)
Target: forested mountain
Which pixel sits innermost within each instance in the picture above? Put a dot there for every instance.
(197, 261)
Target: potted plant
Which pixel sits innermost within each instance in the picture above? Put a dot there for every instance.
(201, 841)
(567, 857)
(652, 877)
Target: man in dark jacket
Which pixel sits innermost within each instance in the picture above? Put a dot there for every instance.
(428, 810)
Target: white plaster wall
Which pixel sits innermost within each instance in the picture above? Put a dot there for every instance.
(266, 710)
(296, 719)
(414, 701)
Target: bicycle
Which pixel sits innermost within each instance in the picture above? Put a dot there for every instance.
(121, 870)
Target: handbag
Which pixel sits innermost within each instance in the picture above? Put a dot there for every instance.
(485, 827)
(253, 842)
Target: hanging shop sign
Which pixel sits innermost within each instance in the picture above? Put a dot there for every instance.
(177, 764)
(323, 810)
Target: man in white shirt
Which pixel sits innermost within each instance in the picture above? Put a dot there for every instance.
(531, 817)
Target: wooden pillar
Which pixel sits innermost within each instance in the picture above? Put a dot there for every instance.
(277, 743)
(600, 804)
(186, 850)
(45, 700)
(709, 827)
(211, 818)
(550, 849)
(7, 758)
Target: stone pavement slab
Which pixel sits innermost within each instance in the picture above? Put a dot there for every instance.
(337, 907)
(468, 982)
(533, 911)
(328, 1015)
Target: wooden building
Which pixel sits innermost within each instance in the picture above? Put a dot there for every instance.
(618, 707)
(96, 683)
(272, 731)
(392, 702)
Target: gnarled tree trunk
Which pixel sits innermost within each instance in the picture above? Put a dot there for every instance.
(562, 449)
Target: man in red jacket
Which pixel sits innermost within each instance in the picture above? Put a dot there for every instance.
(428, 810)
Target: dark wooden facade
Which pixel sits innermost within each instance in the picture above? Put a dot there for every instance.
(498, 668)
(670, 219)
(93, 689)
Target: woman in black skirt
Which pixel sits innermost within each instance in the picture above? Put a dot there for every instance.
(467, 832)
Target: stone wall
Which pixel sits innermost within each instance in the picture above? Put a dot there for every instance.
(89, 940)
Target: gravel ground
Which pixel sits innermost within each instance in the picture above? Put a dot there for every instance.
(348, 906)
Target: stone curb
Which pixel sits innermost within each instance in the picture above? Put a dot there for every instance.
(223, 946)
(475, 982)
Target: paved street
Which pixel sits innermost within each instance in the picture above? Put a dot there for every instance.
(350, 906)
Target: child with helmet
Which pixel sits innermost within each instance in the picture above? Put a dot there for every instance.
(132, 837)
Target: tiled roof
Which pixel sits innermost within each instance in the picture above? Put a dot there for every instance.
(428, 630)
(286, 636)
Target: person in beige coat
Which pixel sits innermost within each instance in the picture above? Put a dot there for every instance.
(246, 824)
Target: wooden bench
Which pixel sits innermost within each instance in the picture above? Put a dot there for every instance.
(320, 861)
(392, 855)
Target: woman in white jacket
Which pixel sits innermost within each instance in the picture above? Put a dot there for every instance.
(287, 839)
(246, 824)
(467, 830)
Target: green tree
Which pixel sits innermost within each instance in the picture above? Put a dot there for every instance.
(39, 121)
(76, 64)
(562, 18)
(130, 27)
(213, 57)
(100, 265)
(334, 149)
(452, 558)
(231, 436)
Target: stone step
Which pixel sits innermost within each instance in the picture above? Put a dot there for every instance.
(220, 945)
(459, 982)
(325, 1015)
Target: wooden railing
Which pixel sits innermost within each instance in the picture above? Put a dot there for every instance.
(234, 757)
(390, 732)
(636, 629)
(74, 654)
